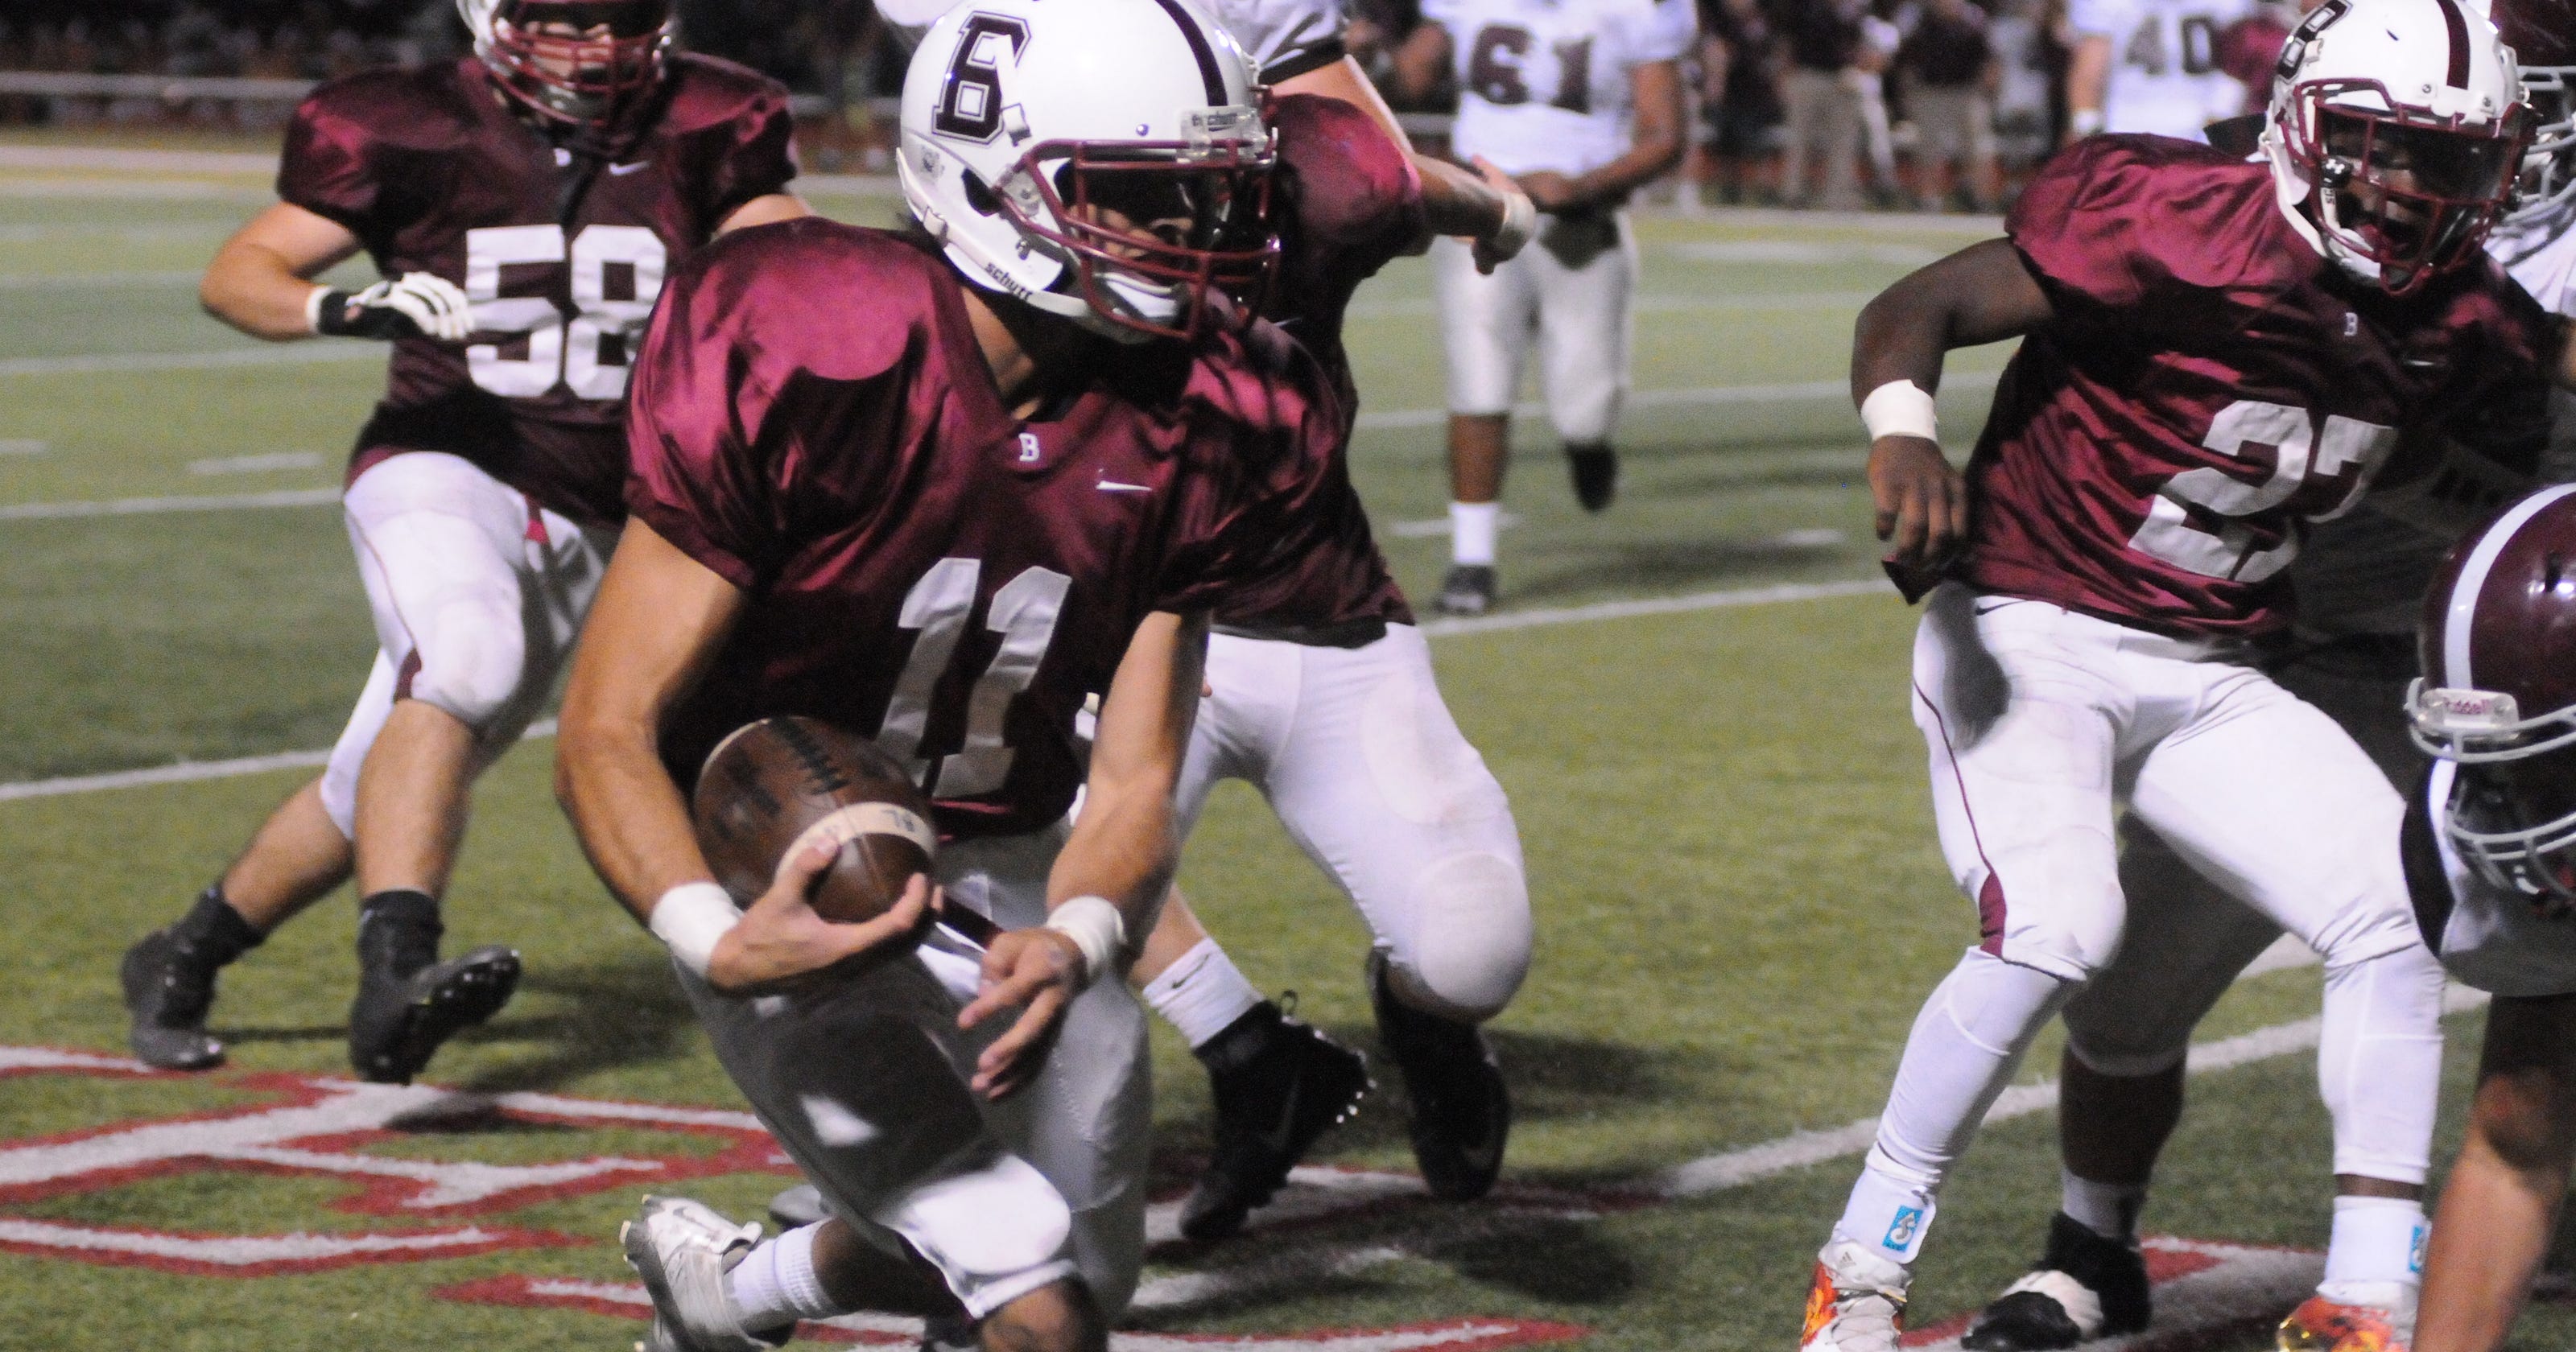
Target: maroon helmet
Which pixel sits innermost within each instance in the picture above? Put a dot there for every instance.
(2498, 696)
(585, 64)
(2542, 34)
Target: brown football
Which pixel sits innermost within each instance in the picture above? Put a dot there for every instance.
(775, 782)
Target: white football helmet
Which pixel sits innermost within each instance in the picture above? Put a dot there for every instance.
(590, 81)
(2542, 34)
(1102, 160)
(2395, 132)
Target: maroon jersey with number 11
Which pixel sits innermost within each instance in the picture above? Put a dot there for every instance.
(433, 173)
(814, 421)
(2210, 382)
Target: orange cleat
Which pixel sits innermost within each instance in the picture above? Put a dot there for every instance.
(1857, 1303)
(2322, 1325)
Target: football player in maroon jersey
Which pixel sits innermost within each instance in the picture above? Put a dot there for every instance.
(523, 205)
(2359, 581)
(1306, 711)
(2214, 350)
(941, 490)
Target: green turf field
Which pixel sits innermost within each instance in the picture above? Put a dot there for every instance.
(1740, 902)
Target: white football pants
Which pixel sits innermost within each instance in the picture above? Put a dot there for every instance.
(477, 594)
(1571, 287)
(1359, 757)
(863, 1080)
(2037, 718)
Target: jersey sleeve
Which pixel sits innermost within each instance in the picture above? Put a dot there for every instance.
(1664, 31)
(755, 395)
(325, 168)
(1286, 38)
(2111, 224)
(1355, 199)
(754, 155)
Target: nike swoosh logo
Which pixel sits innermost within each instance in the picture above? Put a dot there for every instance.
(1113, 486)
(1282, 1134)
(622, 170)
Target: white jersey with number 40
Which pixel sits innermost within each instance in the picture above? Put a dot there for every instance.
(2164, 63)
(1543, 84)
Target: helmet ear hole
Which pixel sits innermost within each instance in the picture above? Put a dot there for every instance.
(978, 196)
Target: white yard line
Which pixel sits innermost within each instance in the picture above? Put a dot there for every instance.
(211, 502)
(1753, 1163)
(82, 281)
(1781, 393)
(98, 363)
(191, 771)
(187, 772)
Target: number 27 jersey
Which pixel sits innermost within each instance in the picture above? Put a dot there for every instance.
(2209, 382)
(434, 174)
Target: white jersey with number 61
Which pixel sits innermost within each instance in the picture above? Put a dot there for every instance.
(1543, 84)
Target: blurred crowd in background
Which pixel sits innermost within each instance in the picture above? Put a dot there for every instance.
(1934, 104)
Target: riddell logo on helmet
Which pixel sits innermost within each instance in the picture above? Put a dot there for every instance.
(2468, 710)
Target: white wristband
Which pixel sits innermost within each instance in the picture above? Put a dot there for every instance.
(2084, 121)
(1096, 927)
(690, 918)
(1900, 408)
(313, 308)
(1520, 221)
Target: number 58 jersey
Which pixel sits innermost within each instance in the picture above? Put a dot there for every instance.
(2208, 383)
(1543, 84)
(433, 174)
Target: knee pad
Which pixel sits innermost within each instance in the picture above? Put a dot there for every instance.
(1471, 942)
(469, 659)
(2379, 1063)
(995, 1234)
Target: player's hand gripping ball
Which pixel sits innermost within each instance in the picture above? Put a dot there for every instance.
(777, 785)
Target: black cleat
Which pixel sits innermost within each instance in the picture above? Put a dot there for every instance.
(1596, 474)
(399, 1021)
(1461, 1111)
(2085, 1287)
(169, 986)
(1279, 1083)
(1469, 589)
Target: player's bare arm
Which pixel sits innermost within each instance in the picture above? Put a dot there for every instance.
(1982, 294)
(1123, 849)
(766, 209)
(2501, 1204)
(1419, 59)
(1660, 111)
(260, 280)
(660, 618)
(2088, 80)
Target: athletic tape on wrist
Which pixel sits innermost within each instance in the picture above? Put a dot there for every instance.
(690, 918)
(1096, 927)
(2084, 121)
(1900, 408)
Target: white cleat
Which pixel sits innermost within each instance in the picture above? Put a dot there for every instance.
(1857, 1303)
(683, 1249)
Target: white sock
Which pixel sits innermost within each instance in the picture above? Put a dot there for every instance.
(776, 1283)
(1202, 994)
(2377, 1240)
(1889, 1211)
(1971, 1034)
(2107, 1209)
(1473, 527)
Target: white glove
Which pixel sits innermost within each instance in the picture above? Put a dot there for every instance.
(414, 305)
